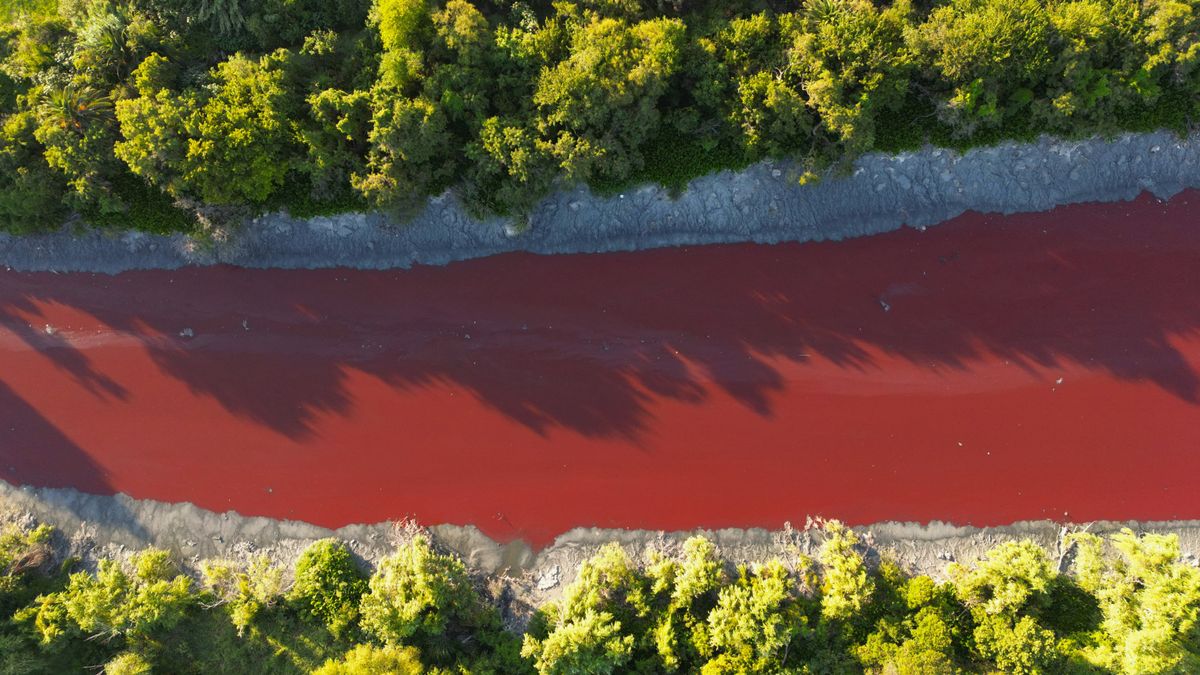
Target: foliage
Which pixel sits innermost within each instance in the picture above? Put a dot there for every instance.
(423, 598)
(246, 589)
(1127, 605)
(328, 585)
(30, 192)
(366, 659)
(319, 106)
(846, 587)
(126, 602)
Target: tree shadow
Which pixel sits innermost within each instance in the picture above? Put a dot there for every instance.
(34, 452)
(586, 343)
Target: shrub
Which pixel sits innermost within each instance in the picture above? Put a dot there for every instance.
(328, 585)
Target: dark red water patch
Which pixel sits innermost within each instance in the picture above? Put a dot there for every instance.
(988, 370)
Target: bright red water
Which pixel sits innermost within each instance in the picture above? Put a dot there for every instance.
(988, 370)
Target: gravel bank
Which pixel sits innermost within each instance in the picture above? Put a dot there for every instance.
(761, 204)
(95, 527)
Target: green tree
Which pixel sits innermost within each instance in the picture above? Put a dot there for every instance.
(128, 663)
(590, 644)
(986, 59)
(1005, 591)
(30, 191)
(240, 145)
(1150, 601)
(154, 126)
(692, 586)
(753, 88)
(855, 65)
(1098, 74)
(597, 107)
(329, 585)
(412, 152)
(756, 620)
(371, 660)
(130, 602)
(423, 598)
(845, 585)
(246, 589)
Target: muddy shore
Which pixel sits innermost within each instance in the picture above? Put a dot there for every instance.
(95, 527)
(763, 203)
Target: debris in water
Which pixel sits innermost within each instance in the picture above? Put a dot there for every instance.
(883, 303)
(187, 333)
(1058, 381)
(50, 330)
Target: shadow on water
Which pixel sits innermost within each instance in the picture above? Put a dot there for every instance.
(34, 452)
(587, 343)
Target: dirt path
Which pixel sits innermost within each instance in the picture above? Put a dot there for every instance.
(989, 370)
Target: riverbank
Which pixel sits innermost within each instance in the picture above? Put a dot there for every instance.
(764, 203)
(94, 527)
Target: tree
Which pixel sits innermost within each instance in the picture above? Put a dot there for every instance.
(596, 108)
(1149, 599)
(336, 140)
(30, 191)
(591, 644)
(128, 663)
(755, 621)
(328, 585)
(154, 126)
(1098, 73)
(424, 598)
(228, 143)
(405, 28)
(1004, 591)
(240, 146)
(129, 602)
(680, 630)
(412, 152)
(246, 589)
(368, 659)
(224, 17)
(77, 131)
(1172, 40)
(986, 58)
(854, 64)
(752, 87)
(845, 585)
(1007, 580)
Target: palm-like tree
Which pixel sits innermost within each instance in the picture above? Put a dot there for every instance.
(225, 16)
(74, 107)
(821, 11)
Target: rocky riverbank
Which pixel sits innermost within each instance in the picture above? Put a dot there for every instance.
(764, 203)
(93, 527)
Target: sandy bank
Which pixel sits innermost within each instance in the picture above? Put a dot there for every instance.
(761, 204)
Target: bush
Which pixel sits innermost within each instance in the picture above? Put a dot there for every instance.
(329, 585)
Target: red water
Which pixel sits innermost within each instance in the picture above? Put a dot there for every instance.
(1037, 366)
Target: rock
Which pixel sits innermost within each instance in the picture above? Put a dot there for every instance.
(549, 578)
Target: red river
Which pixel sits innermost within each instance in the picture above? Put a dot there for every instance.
(984, 371)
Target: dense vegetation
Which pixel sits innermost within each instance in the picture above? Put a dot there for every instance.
(1122, 605)
(125, 110)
